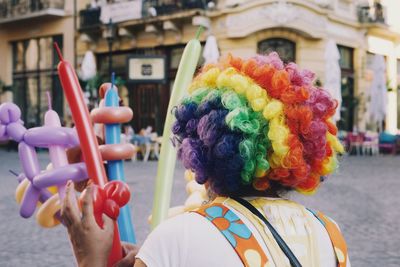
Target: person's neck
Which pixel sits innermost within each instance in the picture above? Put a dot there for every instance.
(256, 193)
(250, 193)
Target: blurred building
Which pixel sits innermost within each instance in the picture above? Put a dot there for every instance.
(154, 33)
(149, 35)
(28, 29)
(299, 31)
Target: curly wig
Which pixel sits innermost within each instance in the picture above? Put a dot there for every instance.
(257, 123)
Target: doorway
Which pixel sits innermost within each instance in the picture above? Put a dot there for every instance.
(349, 102)
(346, 121)
(149, 103)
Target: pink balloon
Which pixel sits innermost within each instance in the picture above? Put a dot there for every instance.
(3, 132)
(29, 202)
(16, 131)
(9, 112)
(75, 172)
(47, 136)
(29, 160)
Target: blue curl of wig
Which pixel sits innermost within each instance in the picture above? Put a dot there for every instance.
(185, 112)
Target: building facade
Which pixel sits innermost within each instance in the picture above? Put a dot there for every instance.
(297, 29)
(28, 29)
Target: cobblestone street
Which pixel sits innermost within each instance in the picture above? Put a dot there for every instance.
(362, 198)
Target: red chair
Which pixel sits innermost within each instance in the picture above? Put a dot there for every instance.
(355, 142)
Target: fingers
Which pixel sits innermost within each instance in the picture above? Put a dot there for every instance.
(128, 260)
(128, 248)
(69, 210)
(87, 207)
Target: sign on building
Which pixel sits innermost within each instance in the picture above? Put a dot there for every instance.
(122, 11)
(146, 69)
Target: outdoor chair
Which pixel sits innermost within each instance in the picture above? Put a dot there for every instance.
(143, 144)
(388, 143)
(148, 145)
(355, 143)
(126, 139)
(370, 145)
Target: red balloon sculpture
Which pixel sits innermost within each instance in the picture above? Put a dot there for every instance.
(108, 197)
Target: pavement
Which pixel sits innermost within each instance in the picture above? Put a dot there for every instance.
(362, 197)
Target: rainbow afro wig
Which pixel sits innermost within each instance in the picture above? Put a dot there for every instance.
(256, 123)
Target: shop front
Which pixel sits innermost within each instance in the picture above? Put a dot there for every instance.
(149, 97)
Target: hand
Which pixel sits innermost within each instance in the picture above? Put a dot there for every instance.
(91, 243)
(129, 251)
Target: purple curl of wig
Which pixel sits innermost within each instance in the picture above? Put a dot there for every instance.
(193, 154)
(212, 126)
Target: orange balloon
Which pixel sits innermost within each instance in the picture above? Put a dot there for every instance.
(46, 213)
(117, 151)
(108, 115)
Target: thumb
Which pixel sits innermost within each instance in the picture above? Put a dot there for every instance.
(108, 224)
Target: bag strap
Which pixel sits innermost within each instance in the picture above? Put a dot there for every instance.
(282, 244)
(336, 236)
(236, 233)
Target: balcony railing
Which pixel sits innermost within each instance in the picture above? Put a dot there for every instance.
(164, 7)
(372, 14)
(89, 18)
(11, 10)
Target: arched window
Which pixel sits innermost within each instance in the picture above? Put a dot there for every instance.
(285, 48)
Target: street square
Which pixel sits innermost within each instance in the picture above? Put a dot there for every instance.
(361, 197)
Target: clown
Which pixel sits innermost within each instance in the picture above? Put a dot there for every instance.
(249, 131)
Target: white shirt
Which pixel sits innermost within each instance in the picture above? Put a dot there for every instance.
(191, 240)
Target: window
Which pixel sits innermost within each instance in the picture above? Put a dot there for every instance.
(398, 92)
(34, 73)
(285, 48)
(346, 57)
(349, 102)
(398, 73)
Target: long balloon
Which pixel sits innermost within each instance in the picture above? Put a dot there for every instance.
(115, 168)
(84, 127)
(58, 156)
(32, 188)
(36, 185)
(166, 164)
(88, 141)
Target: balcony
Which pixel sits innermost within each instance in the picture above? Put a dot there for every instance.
(153, 8)
(18, 10)
(131, 15)
(372, 14)
(89, 18)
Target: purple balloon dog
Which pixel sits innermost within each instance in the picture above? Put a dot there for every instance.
(11, 127)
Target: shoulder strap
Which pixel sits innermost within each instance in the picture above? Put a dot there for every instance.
(282, 244)
(236, 232)
(336, 236)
